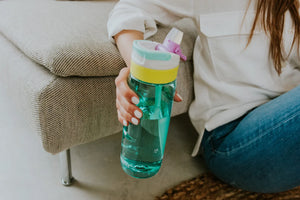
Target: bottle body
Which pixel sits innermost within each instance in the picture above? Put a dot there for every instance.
(143, 145)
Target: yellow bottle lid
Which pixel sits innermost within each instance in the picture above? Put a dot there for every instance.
(153, 66)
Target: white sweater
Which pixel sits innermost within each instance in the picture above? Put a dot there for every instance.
(229, 79)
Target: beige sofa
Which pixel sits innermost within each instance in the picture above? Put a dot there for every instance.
(58, 67)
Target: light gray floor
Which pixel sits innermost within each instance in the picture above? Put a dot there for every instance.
(27, 172)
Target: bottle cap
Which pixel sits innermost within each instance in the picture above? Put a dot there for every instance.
(172, 43)
(152, 66)
(175, 35)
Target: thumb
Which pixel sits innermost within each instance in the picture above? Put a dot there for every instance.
(177, 97)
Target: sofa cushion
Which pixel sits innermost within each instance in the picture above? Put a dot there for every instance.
(69, 37)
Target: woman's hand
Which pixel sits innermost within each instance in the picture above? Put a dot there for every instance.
(127, 100)
(177, 97)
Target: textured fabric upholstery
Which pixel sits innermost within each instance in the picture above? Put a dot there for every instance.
(24, 81)
(69, 38)
(66, 37)
(67, 111)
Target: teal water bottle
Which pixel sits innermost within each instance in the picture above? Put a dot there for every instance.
(153, 73)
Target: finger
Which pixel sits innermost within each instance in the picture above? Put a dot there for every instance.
(123, 88)
(177, 97)
(129, 107)
(126, 115)
(124, 72)
(121, 119)
(122, 112)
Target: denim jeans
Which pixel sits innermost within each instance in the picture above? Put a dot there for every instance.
(260, 151)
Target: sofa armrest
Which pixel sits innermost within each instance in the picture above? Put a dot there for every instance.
(69, 38)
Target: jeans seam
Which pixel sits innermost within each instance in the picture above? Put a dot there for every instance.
(267, 132)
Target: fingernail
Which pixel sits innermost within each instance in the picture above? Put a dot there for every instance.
(134, 121)
(125, 122)
(180, 97)
(135, 100)
(138, 114)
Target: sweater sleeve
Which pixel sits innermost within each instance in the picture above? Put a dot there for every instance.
(143, 15)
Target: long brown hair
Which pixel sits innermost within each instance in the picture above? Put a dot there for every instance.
(270, 14)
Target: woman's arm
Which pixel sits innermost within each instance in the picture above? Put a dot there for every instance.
(132, 20)
(143, 15)
(124, 41)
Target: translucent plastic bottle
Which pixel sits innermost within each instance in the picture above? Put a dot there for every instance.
(152, 76)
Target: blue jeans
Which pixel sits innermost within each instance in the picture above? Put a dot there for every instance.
(260, 151)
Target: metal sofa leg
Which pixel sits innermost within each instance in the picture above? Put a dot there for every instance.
(65, 168)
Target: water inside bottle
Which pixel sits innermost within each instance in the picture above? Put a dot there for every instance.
(143, 145)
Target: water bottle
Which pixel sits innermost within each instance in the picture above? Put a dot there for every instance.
(153, 73)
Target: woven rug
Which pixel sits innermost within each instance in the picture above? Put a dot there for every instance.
(208, 187)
